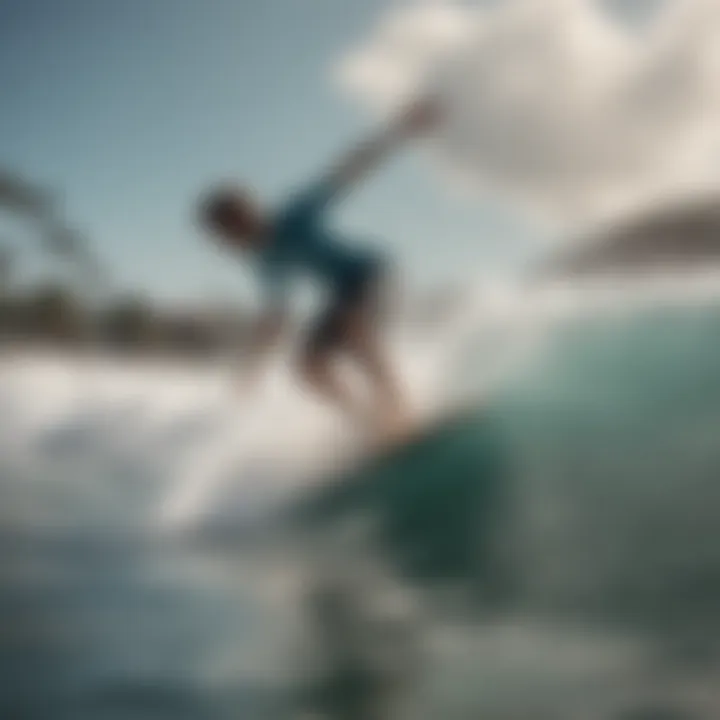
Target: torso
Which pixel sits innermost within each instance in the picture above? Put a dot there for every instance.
(298, 247)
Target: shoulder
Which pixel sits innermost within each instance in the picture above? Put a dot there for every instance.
(305, 204)
(291, 212)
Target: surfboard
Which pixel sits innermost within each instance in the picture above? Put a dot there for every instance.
(433, 503)
(431, 439)
(422, 429)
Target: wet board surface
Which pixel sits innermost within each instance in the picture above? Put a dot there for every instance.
(434, 501)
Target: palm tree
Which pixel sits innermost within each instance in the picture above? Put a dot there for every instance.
(18, 195)
(57, 239)
(7, 308)
(7, 262)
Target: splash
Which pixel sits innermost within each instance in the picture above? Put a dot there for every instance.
(196, 454)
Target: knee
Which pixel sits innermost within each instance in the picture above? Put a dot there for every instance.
(312, 368)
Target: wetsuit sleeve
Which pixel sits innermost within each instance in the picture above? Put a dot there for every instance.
(312, 201)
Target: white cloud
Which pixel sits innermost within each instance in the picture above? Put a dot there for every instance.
(557, 105)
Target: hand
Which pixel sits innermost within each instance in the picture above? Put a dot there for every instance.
(421, 116)
(248, 376)
(264, 335)
(246, 386)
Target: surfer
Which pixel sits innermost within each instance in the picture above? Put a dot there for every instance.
(295, 240)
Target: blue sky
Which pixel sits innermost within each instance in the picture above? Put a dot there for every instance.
(131, 107)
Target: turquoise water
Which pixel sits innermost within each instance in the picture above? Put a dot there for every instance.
(575, 515)
(598, 466)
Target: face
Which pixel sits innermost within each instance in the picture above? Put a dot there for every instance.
(240, 223)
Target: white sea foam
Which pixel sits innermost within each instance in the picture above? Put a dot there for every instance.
(204, 450)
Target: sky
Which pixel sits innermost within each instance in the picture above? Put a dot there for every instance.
(131, 108)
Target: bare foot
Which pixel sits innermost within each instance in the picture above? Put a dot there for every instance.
(393, 429)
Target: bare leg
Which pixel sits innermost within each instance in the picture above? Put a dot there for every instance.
(366, 349)
(318, 372)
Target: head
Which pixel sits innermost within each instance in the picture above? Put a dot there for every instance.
(232, 215)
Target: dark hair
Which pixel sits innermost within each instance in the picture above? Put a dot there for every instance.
(218, 206)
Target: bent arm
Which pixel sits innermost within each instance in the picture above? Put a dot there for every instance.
(266, 329)
(264, 335)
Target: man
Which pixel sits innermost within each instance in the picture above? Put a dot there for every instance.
(295, 240)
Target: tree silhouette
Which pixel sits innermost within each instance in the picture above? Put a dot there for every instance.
(54, 312)
(129, 324)
(57, 238)
(7, 263)
(8, 314)
(59, 311)
(21, 196)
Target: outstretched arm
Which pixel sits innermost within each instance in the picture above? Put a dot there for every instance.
(413, 121)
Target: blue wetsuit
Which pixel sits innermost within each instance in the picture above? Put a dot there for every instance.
(301, 244)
